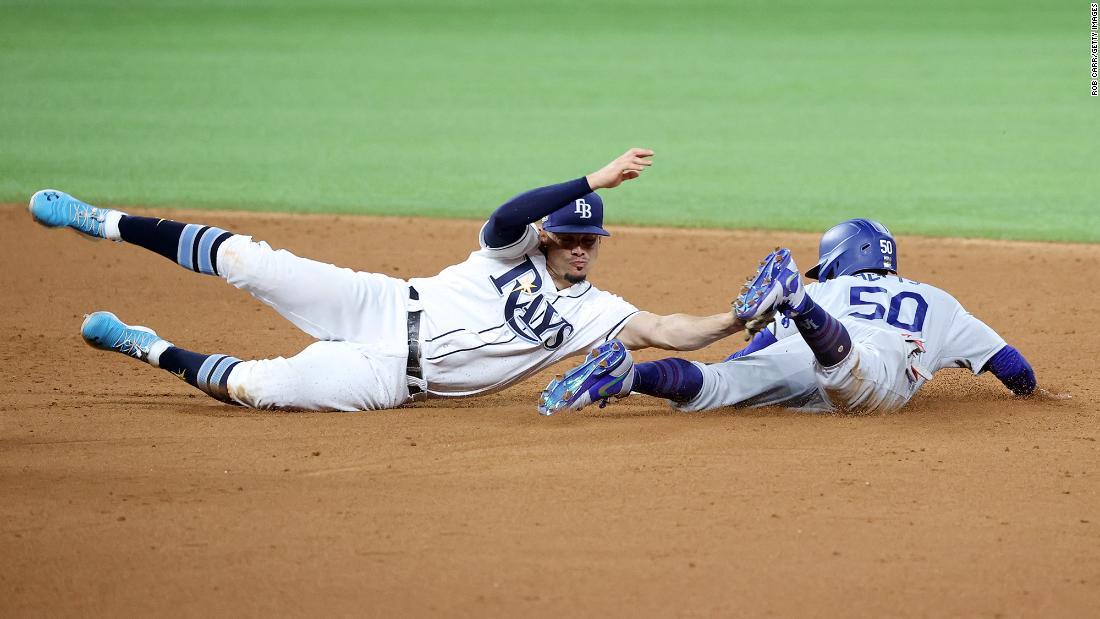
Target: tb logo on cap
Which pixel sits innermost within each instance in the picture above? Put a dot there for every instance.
(584, 209)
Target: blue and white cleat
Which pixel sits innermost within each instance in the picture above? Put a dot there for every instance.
(607, 372)
(103, 330)
(57, 209)
(777, 285)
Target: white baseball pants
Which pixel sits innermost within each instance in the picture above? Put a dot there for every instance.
(361, 318)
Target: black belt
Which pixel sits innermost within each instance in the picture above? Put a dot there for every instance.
(412, 366)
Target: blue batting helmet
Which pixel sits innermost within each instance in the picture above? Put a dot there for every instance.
(853, 246)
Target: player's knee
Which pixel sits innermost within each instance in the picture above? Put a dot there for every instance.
(326, 376)
(266, 384)
(846, 385)
(861, 384)
(244, 262)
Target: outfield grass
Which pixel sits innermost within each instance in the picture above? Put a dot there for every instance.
(938, 117)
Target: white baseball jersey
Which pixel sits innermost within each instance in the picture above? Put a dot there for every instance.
(491, 321)
(498, 318)
(876, 310)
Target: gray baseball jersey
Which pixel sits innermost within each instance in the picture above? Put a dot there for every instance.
(880, 313)
(952, 336)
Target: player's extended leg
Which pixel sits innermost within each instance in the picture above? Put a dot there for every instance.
(778, 286)
(853, 376)
(192, 246)
(208, 373)
(339, 376)
(878, 376)
(328, 302)
(782, 374)
(609, 372)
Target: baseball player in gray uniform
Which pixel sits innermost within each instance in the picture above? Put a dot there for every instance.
(515, 306)
(860, 339)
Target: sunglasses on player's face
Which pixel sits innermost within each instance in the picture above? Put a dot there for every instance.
(572, 241)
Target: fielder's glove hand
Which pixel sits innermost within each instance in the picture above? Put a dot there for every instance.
(754, 325)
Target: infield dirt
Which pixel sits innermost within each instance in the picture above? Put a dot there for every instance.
(125, 492)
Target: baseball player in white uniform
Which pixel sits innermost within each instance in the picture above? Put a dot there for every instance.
(860, 339)
(517, 305)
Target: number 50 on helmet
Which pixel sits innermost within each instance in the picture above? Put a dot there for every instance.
(853, 246)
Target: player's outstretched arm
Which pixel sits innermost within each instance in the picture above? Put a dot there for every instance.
(1012, 369)
(510, 220)
(677, 331)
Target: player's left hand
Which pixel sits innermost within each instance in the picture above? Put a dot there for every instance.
(623, 168)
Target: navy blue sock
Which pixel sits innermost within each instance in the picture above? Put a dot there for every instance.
(825, 334)
(191, 246)
(673, 379)
(208, 373)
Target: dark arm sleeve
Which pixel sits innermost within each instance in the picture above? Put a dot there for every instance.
(1010, 367)
(507, 224)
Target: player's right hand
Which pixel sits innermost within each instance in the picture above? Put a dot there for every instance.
(625, 167)
(1048, 396)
